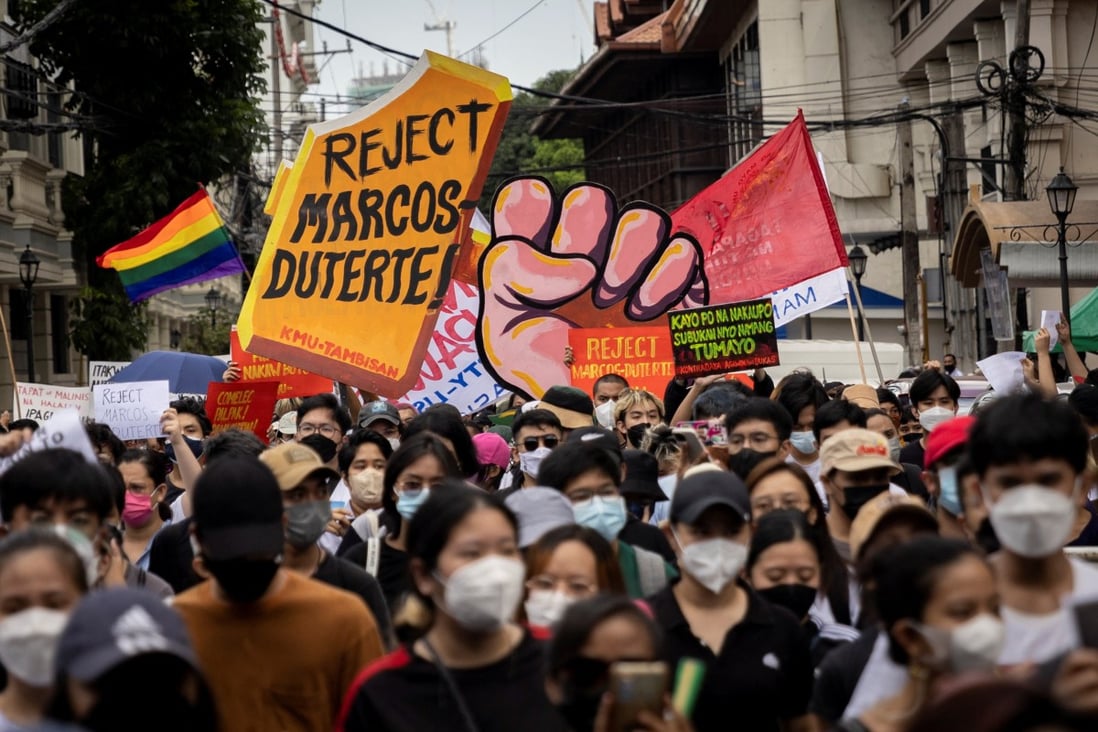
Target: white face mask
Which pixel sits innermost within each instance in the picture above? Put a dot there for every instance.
(530, 462)
(28, 643)
(367, 486)
(604, 414)
(1033, 521)
(894, 449)
(484, 594)
(803, 442)
(974, 645)
(394, 442)
(934, 416)
(714, 563)
(545, 608)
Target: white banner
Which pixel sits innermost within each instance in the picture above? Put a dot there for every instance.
(132, 410)
(809, 296)
(63, 430)
(452, 372)
(100, 372)
(40, 401)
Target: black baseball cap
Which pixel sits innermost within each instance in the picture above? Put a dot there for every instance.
(598, 436)
(237, 510)
(706, 489)
(373, 411)
(572, 406)
(642, 474)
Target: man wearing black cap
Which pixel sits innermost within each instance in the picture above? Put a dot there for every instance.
(759, 672)
(279, 650)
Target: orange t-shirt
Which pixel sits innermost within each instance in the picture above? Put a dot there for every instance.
(285, 662)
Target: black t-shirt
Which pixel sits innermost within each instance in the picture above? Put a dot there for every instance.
(838, 674)
(405, 692)
(761, 675)
(171, 557)
(911, 480)
(913, 453)
(346, 576)
(392, 570)
(646, 536)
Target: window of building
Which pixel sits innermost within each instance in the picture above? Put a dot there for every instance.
(744, 91)
(905, 24)
(924, 8)
(59, 333)
(989, 172)
(55, 140)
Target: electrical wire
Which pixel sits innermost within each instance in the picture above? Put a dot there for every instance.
(522, 15)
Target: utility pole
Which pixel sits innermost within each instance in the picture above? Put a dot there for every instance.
(276, 84)
(1015, 176)
(955, 194)
(447, 26)
(909, 239)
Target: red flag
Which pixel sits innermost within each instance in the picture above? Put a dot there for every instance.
(766, 224)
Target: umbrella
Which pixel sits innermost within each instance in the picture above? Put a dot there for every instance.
(186, 373)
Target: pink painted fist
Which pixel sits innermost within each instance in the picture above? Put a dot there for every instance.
(576, 262)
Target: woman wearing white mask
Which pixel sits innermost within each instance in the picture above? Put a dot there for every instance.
(937, 599)
(41, 579)
(758, 670)
(415, 470)
(564, 566)
(934, 397)
(472, 668)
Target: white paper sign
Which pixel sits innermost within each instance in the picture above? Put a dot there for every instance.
(40, 401)
(100, 372)
(133, 410)
(63, 430)
(1004, 372)
(1049, 320)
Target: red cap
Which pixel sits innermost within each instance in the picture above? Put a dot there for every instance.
(945, 437)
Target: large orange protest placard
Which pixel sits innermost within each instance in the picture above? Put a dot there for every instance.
(368, 226)
(241, 405)
(642, 356)
(292, 382)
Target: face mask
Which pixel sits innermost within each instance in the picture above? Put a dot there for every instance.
(243, 580)
(714, 563)
(796, 598)
(484, 594)
(910, 438)
(28, 642)
(636, 433)
(324, 447)
(409, 502)
(530, 462)
(367, 486)
(584, 681)
(894, 449)
(196, 444)
(604, 514)
(394, 442)
(545, 608)
(604, 414)
(1033, 521)
(974, 645)
(83, 548)
(306, 521)
(934, 416)
(744, 461)
(949, 497)
(857, 496)
(138, 510)
(803, 442)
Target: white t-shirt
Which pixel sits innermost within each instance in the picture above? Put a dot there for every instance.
(881, 679)
(1038, 638)
(813, 468)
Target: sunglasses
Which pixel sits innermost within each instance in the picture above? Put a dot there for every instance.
(531, 443)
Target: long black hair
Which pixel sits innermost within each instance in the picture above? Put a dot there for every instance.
(448, 424)
(411, 450)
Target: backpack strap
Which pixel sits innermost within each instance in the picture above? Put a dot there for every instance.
(373, 555)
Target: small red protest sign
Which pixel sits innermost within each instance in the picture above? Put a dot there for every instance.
(292, 381)
(723, 338)
(243, 405)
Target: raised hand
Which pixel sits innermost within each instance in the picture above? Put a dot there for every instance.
(579, 261)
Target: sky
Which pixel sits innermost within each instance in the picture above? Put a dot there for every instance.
(555, 34)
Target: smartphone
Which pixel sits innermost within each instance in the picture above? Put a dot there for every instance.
(709, 431)
(1086, 622)
(695, 448)
(338, 504)
(637, 687)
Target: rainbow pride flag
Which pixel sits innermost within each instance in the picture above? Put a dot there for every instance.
(191, 244)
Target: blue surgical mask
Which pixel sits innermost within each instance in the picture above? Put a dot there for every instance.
(409, 502)
(604, 514)
(949, 496)
(803, 442)
(196, 445)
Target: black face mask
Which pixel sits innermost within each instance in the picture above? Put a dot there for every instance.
(911, 438)
(985, 537)
(324, 447)
(744, 461)
(796, 598)
(635, 434)
(585, 682)
(857, 496)
(243, 580)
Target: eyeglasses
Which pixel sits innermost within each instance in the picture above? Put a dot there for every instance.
(756, 440)
(531, 443)
(786, 502)
(574, 587)
(586, 494)
(305, 429)
(414, 485)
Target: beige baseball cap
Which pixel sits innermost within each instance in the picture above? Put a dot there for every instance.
(864, 395)
(856, 449)
(293, 462)
(884, 509)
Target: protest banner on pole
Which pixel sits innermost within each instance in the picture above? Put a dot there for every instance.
(242, 405)
(368, 226)
(131, 410)
(724, 338)
(641, 355)
(292, 382)
(452, 372)
(40, 401)
(100, 372)
(64, 430)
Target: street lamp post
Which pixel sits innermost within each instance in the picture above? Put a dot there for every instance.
(858, 259)
(213, 301)
(28, 274)
(1061, 199)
